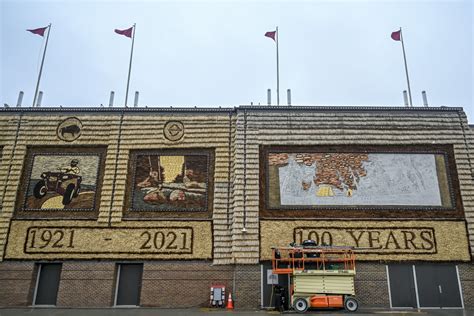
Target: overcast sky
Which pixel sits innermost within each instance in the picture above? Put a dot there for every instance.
(214, 53)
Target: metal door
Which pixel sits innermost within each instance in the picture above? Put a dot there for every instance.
(438, 285)
(402, 285)
(448, 285)
(47, 284)
(269, 282)
(129, 284)
(428, 293)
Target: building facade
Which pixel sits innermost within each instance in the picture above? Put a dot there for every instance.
(147, 207)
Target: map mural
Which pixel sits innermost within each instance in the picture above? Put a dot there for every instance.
(314, 179)
(58, 182)
(170, 182)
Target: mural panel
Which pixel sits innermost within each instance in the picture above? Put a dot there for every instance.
(59, 181)
(373, 240)
(310, 179)
(170, 181)
(358, 179)
(54, 239)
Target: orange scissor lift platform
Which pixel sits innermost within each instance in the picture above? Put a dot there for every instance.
(321, 276)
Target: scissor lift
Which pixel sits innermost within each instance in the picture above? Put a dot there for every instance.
(321, 276)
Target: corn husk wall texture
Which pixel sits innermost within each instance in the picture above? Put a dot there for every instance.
(235, 137)
(363, 128)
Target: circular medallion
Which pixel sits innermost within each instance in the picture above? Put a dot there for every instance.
(173, 130)
(70, 129)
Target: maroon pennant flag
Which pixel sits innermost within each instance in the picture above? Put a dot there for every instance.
(39, 31)
(396, 35)
(271, 34)
(127, 32)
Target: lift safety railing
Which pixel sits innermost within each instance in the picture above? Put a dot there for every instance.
(287, 260)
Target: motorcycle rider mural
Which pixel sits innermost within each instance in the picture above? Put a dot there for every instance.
(66, 182)
(72, 168)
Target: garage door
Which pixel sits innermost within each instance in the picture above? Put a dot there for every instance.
(424, 285)
(438, 286)
(402, 285)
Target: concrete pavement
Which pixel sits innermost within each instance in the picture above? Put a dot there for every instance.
(216, 312)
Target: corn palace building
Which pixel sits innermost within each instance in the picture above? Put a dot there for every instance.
(108, 207)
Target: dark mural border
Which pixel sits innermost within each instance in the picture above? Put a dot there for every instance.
(130, 213)
(28, 213)
(363, 212)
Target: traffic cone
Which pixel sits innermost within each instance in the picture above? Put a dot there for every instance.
(230, 303)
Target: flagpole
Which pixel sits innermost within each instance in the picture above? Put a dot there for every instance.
(278, 70)
(130, 65)
(406, 67)
(41, 68)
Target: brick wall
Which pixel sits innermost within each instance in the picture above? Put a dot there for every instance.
(247, 286)
(187, 284)
(86, 284)
(371, 285)
(182, 283)
(466, 274)
(17, 281)
(372, 288)
(165, 284)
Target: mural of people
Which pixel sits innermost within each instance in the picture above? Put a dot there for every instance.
(170, 183)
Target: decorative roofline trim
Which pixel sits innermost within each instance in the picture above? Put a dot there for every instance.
(270, 108)
(118, 109)
(361, 108)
